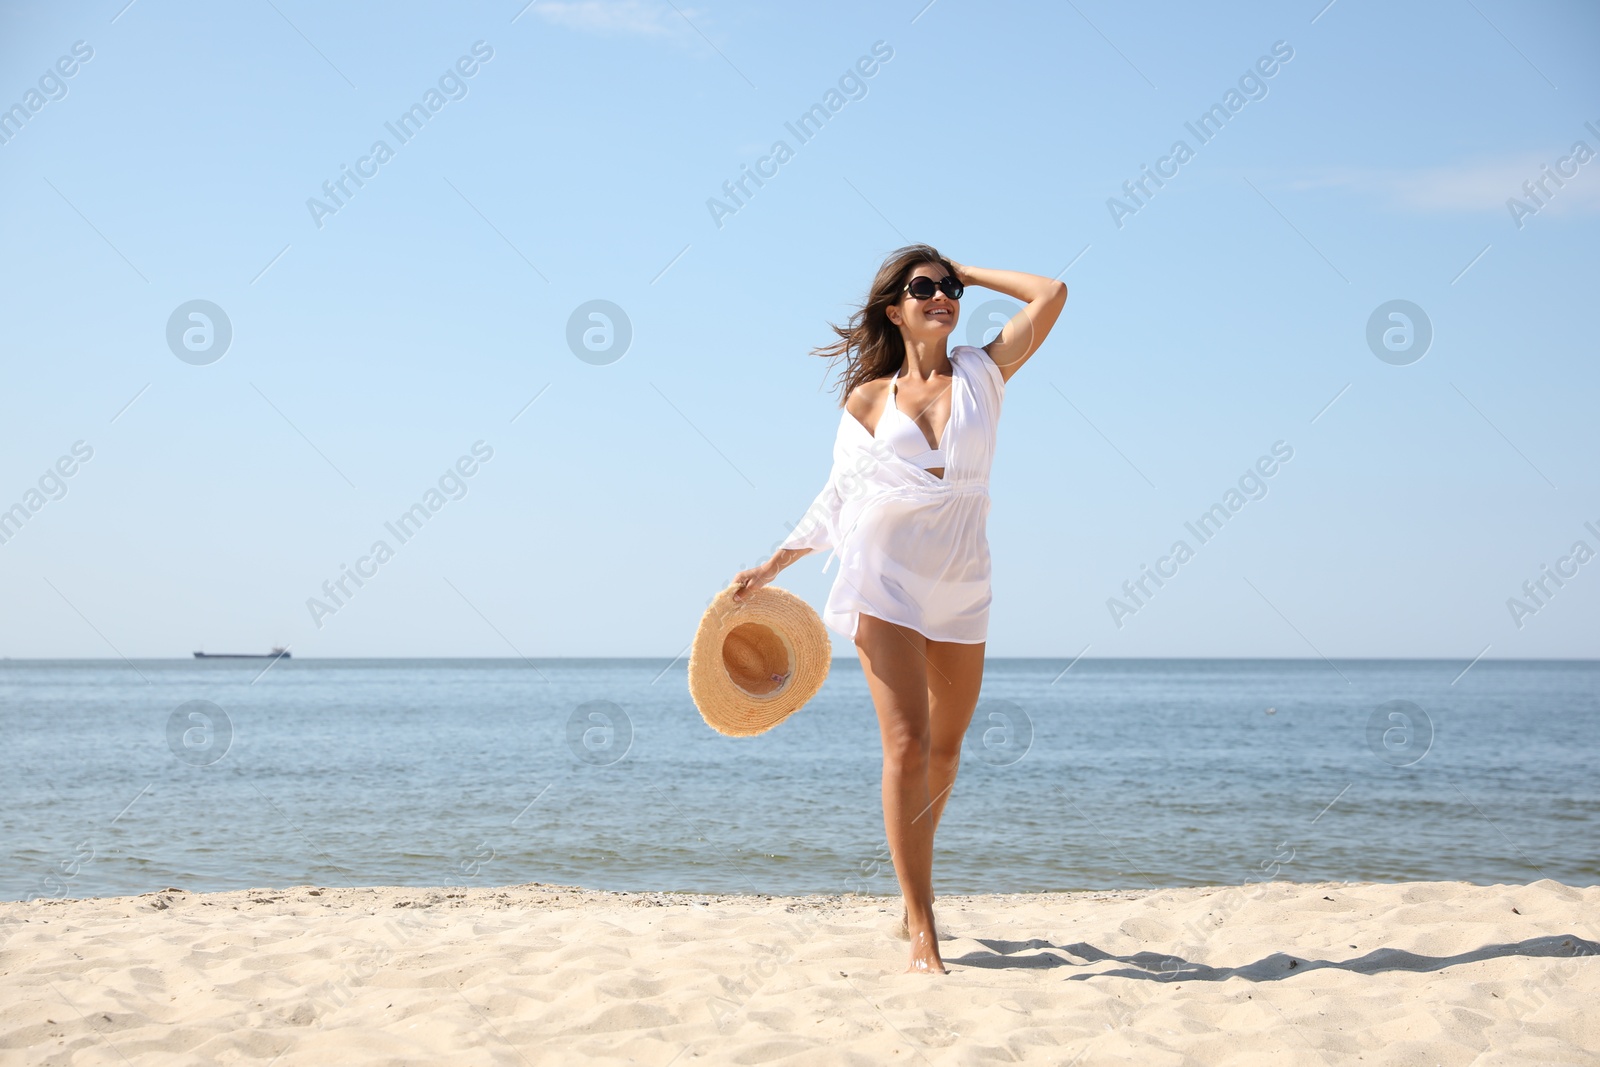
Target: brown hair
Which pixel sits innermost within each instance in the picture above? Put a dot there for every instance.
(869, 343)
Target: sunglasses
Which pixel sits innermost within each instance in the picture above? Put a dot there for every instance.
(922, 287)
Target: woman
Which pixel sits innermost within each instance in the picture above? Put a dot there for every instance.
(904, 511)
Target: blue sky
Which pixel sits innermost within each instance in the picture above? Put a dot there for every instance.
(374, 345)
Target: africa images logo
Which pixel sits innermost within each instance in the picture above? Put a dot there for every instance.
(1252, 86)
(451, 86)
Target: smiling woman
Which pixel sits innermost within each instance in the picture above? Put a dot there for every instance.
(915, 442)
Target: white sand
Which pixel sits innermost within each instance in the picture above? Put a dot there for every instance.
(1280, 973)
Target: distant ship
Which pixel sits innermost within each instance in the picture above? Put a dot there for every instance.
(278, 652)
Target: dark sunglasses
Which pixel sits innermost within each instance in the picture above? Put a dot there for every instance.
(921, 287)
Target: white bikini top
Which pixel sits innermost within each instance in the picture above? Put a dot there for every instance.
(905, 436)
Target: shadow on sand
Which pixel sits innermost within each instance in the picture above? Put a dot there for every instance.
(1156, 967)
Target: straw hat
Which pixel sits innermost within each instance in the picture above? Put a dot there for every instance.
(757, 661)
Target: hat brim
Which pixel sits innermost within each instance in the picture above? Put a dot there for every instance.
(732, 709)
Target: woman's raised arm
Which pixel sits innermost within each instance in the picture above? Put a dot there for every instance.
(1043, 298)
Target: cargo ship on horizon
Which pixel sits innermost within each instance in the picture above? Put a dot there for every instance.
(278, 652)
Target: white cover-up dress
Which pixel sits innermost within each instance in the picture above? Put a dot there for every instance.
(912, 547)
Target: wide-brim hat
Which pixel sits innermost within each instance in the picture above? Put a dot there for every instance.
(756, 661)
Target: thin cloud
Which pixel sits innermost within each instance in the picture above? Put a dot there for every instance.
(616, 16)
(1484, 185)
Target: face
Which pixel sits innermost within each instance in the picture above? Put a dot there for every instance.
(925, 320)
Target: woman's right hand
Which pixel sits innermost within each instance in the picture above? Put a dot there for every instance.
(747, 582)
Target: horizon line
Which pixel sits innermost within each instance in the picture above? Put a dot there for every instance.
(680, 656)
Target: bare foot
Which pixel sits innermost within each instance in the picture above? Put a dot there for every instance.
(925, 953)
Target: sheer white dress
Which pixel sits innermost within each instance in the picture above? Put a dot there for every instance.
(911, 546)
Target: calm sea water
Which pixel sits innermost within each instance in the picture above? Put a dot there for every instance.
(121, 779)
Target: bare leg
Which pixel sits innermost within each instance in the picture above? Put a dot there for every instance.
(912, 712)
(954, 677)
(894, 660)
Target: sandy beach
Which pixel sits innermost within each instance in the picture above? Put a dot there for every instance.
(1413, 973)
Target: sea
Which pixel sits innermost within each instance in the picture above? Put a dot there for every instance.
(124, 778)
